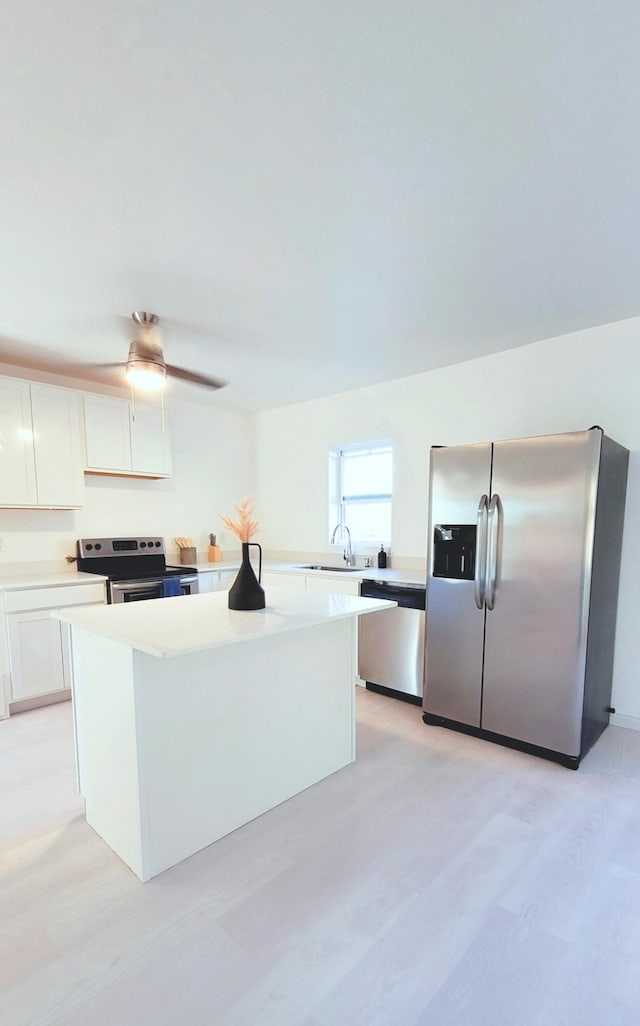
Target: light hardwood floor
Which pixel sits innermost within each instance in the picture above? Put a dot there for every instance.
(440, 880)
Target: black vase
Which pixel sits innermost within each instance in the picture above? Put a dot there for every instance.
(246, 592)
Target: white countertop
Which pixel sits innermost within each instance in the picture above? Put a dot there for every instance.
(46, 579)
(391, 575)
(32, 578)
(176, 626)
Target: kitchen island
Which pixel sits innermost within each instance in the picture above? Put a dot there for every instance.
(192, 719)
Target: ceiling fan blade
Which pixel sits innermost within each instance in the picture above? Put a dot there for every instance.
(102, 366)
(193, 378)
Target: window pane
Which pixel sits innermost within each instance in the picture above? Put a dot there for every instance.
(366, 473)
(369, 521)
(334, 502)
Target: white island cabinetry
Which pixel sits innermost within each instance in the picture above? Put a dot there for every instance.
(124, 439)
(265, 710)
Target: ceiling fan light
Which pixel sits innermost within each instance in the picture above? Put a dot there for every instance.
(147, 376)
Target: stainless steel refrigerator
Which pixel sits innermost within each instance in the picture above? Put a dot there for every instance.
(522, 586)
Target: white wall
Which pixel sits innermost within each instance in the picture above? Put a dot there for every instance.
(213, 467)
(560, 384)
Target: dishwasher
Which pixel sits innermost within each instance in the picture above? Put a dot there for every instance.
(391, 642)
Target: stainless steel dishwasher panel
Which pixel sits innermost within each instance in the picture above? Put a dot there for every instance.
(391, 642)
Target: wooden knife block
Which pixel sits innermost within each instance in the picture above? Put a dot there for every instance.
(214, 554)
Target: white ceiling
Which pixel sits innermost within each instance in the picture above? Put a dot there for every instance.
(315, 195)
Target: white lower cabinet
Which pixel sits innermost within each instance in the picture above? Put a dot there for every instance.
(206, 582)
(333, 583)
(222, 580)
(275, 580)
(336, 585)
(38, 648)
(216, 580)
(34, 654)
(226, 579)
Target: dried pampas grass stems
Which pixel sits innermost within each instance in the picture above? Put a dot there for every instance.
(244, 527)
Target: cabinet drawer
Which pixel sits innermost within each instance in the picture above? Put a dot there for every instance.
(54, 598)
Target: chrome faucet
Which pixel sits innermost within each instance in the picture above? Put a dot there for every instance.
(348, 554)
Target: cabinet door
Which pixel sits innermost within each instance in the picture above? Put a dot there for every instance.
(225, 578)
(150, 448)
(36, 654)
(56, 435)
(273, 580)
(207, 582)
(336, 585)
(17, 463)
(107, 433)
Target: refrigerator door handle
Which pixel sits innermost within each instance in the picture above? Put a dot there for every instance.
(493, 521)
(481, 552)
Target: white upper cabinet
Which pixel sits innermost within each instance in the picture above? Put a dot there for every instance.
(17, 463)
(40, 452)
(150, 444)
(107, 432)
(124, 440)
(57, 446)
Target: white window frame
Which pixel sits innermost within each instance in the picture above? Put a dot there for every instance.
(337, 498)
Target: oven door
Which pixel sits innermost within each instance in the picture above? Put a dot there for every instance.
(139, 591)
(134, 591)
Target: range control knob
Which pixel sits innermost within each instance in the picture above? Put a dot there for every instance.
(98, 545)
(89, 547)
(158, 544)
(143, 545)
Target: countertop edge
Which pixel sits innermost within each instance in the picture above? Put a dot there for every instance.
(88, 618)
(28, 582)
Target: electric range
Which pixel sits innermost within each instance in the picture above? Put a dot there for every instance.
(135, 568)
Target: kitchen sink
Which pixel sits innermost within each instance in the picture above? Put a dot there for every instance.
(332, 569)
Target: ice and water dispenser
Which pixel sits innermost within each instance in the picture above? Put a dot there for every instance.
(454, 551)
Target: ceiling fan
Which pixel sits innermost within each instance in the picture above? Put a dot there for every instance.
(146, 367)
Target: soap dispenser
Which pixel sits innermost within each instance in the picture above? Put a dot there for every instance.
(382, 558)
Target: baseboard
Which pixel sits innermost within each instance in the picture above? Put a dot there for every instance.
(620, 720)
(41, 700)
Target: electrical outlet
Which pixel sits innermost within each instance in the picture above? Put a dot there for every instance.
(2, 545)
